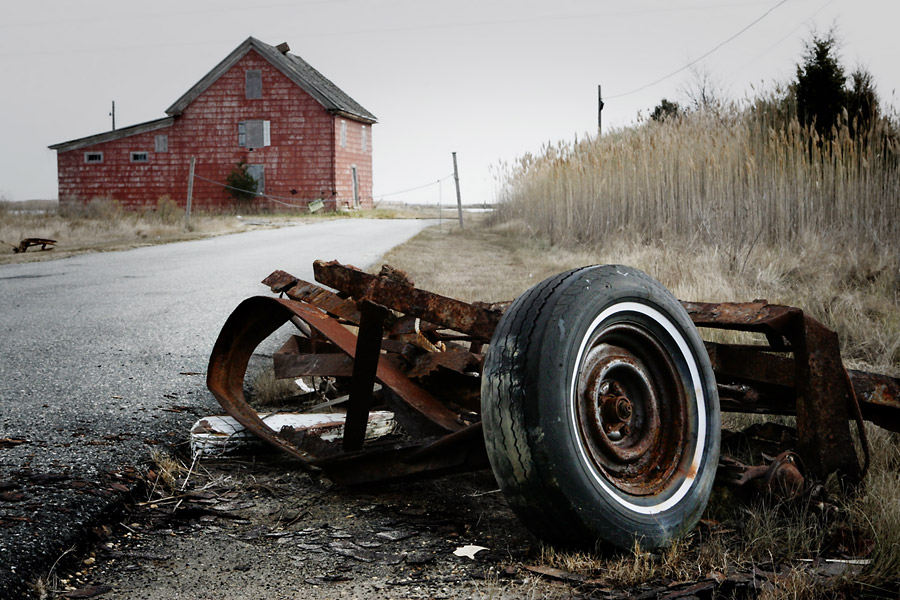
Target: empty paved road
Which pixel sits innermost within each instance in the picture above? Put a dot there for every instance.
(93, 351)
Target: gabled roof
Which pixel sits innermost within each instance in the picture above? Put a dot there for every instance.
(295, 68)
(115, 134)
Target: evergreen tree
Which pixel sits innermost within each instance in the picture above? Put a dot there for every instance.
(862, 101)
(821, 97)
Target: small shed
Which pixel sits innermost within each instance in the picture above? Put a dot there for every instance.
(300, 136)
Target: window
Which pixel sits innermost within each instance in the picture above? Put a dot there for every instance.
(93, 157)
(258, 173)
(365, 141)
(161, 143)
(254, 134)
(138, 157)
(343, 134)
(254, 84)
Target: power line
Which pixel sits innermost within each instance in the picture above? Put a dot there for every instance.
(419, 187)
(695, 61)
(277, 199)
(291, 201)
(779, 42)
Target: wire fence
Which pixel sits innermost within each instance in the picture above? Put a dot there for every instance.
(303, 203)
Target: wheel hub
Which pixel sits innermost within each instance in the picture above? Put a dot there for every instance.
(631, 410)
(615, 410)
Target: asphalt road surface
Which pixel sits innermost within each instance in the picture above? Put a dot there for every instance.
(103, 357)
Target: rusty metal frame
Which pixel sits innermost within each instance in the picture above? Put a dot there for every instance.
(824, 400)
(799, 371)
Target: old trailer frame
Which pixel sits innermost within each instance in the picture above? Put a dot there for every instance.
(427, 352)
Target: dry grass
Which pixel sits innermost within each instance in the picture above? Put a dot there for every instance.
(271, 392)
(102, 225)
(857, 294)
(739, 204)
(168, 470)
(734, 179)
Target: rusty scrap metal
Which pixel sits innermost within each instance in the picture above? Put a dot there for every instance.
(460, 316)
(426, 351)
(365, 367)
(824, 400)
(780, 478)
(25, 244)
(303, 291)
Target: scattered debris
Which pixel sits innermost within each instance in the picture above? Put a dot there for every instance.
(27, 243)
(554, 573)
(11, 442)
(781, 478)
(216, 436)
(468, 551)
(427, 353)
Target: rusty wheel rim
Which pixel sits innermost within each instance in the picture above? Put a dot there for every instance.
(631, 407)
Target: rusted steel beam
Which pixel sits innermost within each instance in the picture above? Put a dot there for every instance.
(303, 291)
(742, 316)
(302, 356)
(460, 316)
(879, 398)
(748, 364)
(824, 402)
(756, 381)
(365, 367)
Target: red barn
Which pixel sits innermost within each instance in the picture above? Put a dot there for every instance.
(301, 137)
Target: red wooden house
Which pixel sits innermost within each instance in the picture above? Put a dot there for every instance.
(301, 137)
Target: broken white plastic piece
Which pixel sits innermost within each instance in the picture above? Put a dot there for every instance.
(468, 550)
(220, 435)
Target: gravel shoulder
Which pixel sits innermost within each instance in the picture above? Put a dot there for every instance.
(260, 527)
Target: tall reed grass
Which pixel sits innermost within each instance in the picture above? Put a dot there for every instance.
(735, 178)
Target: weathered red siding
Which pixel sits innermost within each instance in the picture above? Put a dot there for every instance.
(305, 160)
(133, 185)
(351, 154)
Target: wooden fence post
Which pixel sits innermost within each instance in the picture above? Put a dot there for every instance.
(190, 195)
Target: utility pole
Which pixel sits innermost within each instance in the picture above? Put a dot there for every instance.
(599, 111)
(113, 114)
(458, 200)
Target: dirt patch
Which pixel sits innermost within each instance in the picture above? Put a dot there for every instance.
(262, 528)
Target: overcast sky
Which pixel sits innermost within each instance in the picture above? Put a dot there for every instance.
(488, 79)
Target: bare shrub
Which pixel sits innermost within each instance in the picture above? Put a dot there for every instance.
(167, 210)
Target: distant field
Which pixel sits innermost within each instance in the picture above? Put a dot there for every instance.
(102, 226)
